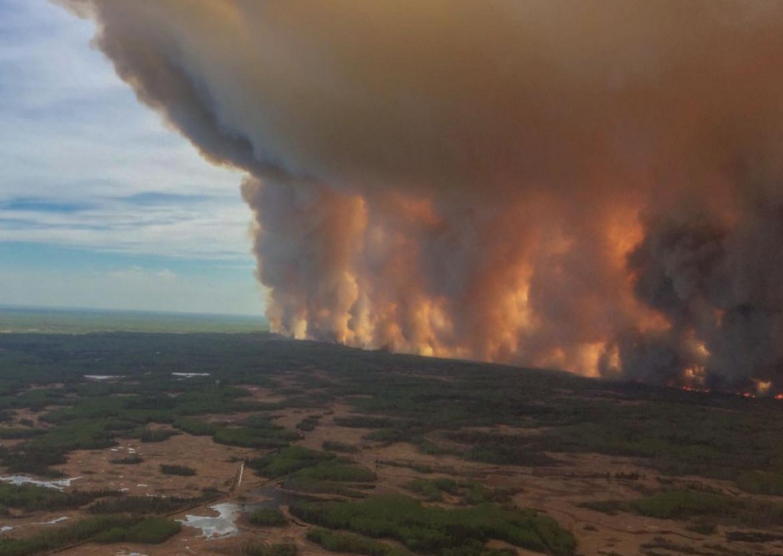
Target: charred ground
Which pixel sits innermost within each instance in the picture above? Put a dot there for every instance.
(389, 454)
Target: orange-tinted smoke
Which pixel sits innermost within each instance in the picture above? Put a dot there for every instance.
(593, 185)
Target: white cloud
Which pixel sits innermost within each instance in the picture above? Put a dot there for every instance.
(137, 274)
(72, 131)
(208, 229)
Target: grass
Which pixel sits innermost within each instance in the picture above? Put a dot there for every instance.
(432, 530)
(365, 422)
(269, 550)
(143, 505)
(132, 459)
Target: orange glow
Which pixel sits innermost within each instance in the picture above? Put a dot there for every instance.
(763, 387)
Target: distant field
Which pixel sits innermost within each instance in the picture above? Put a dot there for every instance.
(76, 321)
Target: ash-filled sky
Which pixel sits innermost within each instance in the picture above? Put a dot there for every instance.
(593, 186)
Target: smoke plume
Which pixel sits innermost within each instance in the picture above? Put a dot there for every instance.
(592, 185)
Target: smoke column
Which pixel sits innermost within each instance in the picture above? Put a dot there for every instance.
(590, 185)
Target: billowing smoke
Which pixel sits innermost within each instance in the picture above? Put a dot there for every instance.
(592, 185)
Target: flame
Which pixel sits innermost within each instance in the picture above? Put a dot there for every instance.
(763, 387)
(741, 394)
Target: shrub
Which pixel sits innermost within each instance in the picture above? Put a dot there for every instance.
(676, 504)
(334, 446)
(436, 530)
(315, 486)
(309, 423)
(19, 434)
(104, 529)
(265, 517)
(507, 453)
(32, 498)
(156, 435)
(687, 504)
(334, 541)
(287, 460)
(181, 470)
(432, 490)
(336, 470)
(476, 493)
(153, 530)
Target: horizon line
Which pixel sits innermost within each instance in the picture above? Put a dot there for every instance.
(55, 308)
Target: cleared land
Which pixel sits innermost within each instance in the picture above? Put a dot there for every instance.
(251, 444)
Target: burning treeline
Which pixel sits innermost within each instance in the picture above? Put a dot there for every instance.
(593, 185)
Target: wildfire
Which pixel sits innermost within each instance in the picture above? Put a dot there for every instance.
(740, 394)
(694, 389)
(763, 387)
(399, 206)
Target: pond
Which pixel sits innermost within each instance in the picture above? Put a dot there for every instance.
(224, 525)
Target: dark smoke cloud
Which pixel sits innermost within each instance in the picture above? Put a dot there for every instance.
(592, 185)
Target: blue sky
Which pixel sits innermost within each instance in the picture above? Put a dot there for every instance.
(100, 205)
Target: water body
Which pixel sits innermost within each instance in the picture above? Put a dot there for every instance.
(22, 479)
(225, 524)
(220, 527)
(54, 521)
(189, 375)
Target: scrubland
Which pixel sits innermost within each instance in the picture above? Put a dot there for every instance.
(318, 449)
